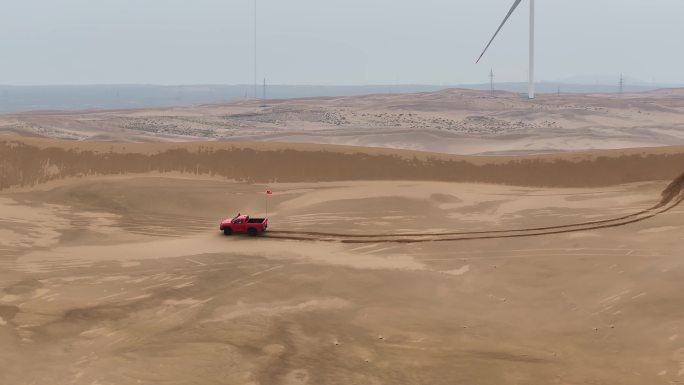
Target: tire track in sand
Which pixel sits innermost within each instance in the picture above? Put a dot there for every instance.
(671, 197)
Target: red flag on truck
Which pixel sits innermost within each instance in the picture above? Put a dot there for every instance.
(269, 192)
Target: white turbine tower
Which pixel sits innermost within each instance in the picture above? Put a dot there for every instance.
(510, 12)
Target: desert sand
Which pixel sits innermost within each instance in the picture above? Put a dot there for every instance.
(380, 266)
(454, 121)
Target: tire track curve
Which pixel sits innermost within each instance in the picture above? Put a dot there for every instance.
(671, 197)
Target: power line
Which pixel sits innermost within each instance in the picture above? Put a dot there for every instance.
(491, 82)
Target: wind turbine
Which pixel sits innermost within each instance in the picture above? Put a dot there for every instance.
(510, 12)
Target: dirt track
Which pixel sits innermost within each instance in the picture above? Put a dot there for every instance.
(672, 196)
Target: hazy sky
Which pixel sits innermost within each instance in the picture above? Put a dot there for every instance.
(333, 41)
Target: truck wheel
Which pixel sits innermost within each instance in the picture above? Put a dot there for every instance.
(227, 231)
(252, 231)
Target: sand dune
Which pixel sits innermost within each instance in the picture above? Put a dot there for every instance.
(26, 162)
(127, 279)
(113, 271)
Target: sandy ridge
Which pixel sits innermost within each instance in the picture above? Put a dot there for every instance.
(31, 162)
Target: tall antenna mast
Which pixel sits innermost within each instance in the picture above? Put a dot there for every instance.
(255, 49)
(264, 89)
(530, 86)
(622, 84)
(491, 82)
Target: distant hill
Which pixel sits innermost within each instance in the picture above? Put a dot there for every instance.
(31, 98)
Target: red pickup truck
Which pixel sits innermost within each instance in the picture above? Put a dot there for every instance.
(244, 224)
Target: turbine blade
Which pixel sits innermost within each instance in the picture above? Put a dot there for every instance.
(515, 5)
